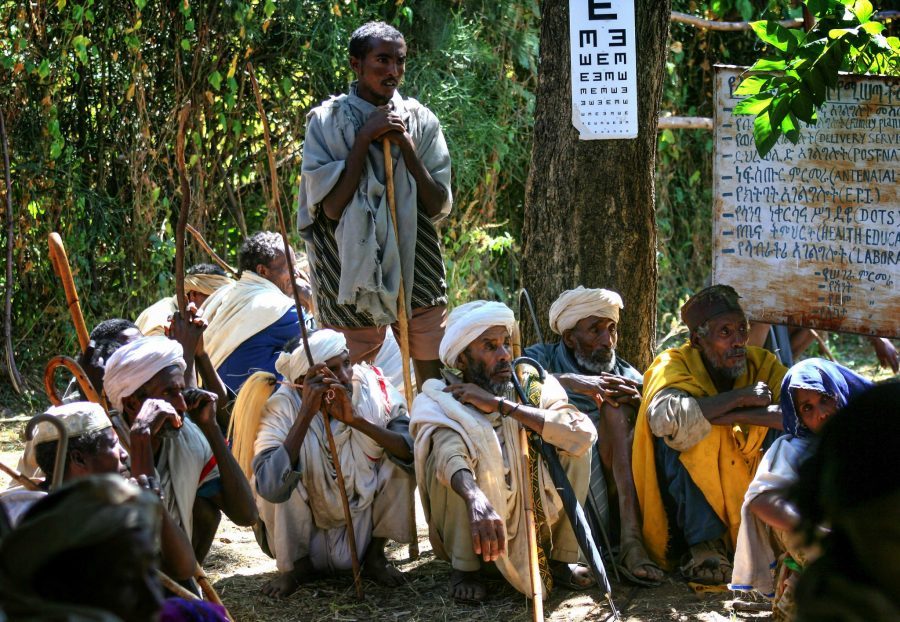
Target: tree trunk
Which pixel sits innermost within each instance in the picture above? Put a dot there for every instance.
(589, 207)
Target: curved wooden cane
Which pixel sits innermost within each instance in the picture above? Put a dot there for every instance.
(60, 262)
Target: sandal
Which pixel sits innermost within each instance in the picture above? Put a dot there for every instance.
(705, 559)
(564, 576)
(628, 551)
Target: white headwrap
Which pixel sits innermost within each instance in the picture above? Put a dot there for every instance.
(205, 283)
(576, 304)
(324, 344)
(466, 322)
(77, 417)
(135, 363)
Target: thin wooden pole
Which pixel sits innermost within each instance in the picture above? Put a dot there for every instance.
(14, 377)
(198, 237)
(402, 320)
(60, 262)
(26, 482)
(335, 459)
(184, 209)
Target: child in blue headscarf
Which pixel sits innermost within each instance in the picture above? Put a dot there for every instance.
(811, 392)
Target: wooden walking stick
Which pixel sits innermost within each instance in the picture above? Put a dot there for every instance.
(185, 185)
(26, 482)
(335, 458)
(534, 572)
(60, 262)
(198, 237)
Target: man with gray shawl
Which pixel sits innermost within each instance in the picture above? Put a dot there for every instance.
(357, 262)
(291, 463)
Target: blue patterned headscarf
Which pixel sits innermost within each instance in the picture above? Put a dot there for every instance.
(823, 377)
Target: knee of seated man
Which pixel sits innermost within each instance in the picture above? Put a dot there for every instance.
(618, 418)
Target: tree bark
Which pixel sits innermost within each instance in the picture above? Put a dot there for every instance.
(589, 207)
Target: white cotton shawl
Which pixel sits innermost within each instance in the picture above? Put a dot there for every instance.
(323, 345)
(754, 558)
(576, 304)
(466, 322)
(372, 258)
(237, 312)
(434, 409)
(135, 363)
(373, 399)
(153, 320)
(179, 468)
(205, 283)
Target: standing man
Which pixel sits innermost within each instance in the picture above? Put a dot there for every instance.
(357, 263)
(606, 388)
(710, 410)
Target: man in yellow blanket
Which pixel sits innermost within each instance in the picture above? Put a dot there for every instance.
(468, 461)
(710, 409)
(200, 282)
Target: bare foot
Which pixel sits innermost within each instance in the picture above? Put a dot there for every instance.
(634, 559)
(571, 576)
(708, 564)
(467, 587)
(377, 567)
(289, 582)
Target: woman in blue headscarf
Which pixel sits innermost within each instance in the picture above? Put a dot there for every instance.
(811, 392)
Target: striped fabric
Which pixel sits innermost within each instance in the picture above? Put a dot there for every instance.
(429, 279)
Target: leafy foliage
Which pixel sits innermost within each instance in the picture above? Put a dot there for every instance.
(792, 83)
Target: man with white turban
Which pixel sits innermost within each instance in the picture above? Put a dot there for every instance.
(468, 467)
(200, 282)
(251, 319)
(285, 447)
(93, 448)
(608, 389)
(197, 474)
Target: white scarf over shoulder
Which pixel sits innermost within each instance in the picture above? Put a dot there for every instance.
(373, 399)
(237, 312)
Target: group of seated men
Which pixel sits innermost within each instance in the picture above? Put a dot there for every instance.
(678, 445)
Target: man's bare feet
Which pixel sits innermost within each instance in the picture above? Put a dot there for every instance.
(571, 576)
(377, 567)
(289, 582)
(467, 587)
(634, 561)
(708, 564)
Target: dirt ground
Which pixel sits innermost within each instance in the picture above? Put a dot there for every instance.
(238, 569)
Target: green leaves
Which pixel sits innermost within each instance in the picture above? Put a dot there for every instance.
(792, 82)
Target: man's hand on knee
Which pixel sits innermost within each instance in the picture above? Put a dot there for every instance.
(488, 529)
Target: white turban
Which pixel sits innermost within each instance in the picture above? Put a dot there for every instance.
(576, 304)
(205, 283)
(77, 417)
(323, 344)
(466, 322)
(134, 364)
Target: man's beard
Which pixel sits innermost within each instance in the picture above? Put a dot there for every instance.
(718, 366)
(601, 360)
(479, 376)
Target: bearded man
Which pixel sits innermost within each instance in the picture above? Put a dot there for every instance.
(608, 389)
(468, 466)
(708, 413)
(198, 476)
(284, 447)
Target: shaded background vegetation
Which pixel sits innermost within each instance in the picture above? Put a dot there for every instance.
(91, 92)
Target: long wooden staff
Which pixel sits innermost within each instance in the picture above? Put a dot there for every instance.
(335, 459)
(60, 262)
(534, 572)
(26, 482)
(402, 318)
(89, 392)
(198, 237)
(185, 185)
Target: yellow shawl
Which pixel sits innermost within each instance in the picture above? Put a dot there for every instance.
(722, 465)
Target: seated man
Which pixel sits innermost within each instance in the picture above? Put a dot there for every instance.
(708, 413)
(200, 282)
(298, 499)
(468, 464)
(252, 319)
(198, 475)
(85, 552)
(94, 449)
(606, 388)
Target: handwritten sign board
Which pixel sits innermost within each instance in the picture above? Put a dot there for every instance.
(810, 234)
(604, 68)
